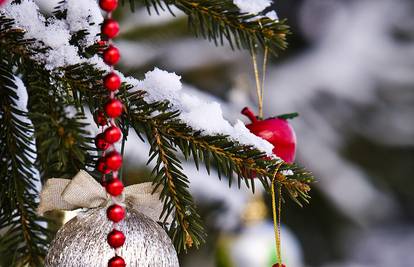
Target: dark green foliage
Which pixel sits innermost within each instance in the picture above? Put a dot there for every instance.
(22, 238)
(221, 20)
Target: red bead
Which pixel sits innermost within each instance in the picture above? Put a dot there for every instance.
(110, 28)
(113, 160)
(276, 131)
(114, 108)
(114, 187)
(100, 118)
(115, 213)
(116, 238)
(108, 5)
(100, 142)
(112, 134)
(116, 262)
(111, 55)
(101, 166)
(112, 82)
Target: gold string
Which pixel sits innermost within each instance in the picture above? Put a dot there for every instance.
(276, 215)
(265, 56)
(258, 85)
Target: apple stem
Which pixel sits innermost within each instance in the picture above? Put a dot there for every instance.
(249, 113)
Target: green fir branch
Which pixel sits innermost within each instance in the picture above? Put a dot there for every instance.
(221, 20)
(23, 239)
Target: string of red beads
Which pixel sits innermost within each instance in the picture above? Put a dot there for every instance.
(111, 160)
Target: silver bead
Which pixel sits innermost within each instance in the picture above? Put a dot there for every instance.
(82, 242)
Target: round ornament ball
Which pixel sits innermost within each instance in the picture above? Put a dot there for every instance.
(81, 242)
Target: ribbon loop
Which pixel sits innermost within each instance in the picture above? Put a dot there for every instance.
(83, 191)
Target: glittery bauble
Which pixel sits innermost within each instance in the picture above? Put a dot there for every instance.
(81, 242)
(110, 28)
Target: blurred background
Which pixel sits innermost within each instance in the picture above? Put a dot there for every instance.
(349, 72)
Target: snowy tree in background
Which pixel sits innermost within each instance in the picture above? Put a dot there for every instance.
(51, 81)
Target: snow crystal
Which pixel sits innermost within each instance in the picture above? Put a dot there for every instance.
(256, 7)
(57, 33)
(287, 172)
(196, 112)
(160, 85)
(272, 15)
(252, 6)
(84, 14)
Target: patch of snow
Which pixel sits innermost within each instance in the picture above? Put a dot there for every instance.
(57, 33)
(252, 6)
(84, 14)
(196, 112)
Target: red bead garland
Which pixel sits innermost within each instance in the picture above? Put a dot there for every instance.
(111, 160)
(110, 28)
(108, 5)
(102, 167)
(112, 82)
(112, 134)
(115, 213)
(116, 238)
(101, 143)
(114, 108)
(114, 187)
(100, 118)
(116, 262)
(111, 55)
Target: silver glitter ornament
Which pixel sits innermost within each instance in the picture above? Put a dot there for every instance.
(81, 242)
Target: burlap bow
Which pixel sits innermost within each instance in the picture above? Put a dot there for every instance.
(83, 191)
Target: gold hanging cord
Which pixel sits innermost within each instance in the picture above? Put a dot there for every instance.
(276, 210)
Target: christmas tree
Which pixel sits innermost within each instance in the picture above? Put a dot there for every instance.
(55, 72)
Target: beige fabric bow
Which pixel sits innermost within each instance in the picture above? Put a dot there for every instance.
(83, 191)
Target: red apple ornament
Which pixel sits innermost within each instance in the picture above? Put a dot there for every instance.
(276, 131)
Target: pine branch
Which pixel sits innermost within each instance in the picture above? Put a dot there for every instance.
(186, 229)
(64, 145)
(23, 240)
(220, 20)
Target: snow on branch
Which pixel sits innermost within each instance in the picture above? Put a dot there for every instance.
(160, 85)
